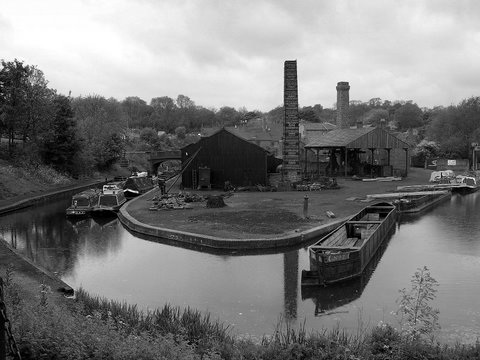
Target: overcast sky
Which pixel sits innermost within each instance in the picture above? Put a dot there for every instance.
(231, 53)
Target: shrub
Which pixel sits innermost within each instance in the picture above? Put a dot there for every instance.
(418, 317)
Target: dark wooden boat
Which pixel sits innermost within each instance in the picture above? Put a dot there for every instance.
(83, 203)
(415, 201)
(137, 185)
(345, 252)
(110, 201)
(328, 298)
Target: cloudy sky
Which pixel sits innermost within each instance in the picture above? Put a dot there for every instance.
(231, 52)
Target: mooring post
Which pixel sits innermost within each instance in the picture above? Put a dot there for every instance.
(305, 206)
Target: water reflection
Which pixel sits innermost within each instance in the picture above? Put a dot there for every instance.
(251, 289)
(51, 241)
(290, 281)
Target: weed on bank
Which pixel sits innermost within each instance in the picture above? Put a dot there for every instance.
(90, 327)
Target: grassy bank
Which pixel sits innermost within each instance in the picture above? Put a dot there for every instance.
(94, 328)
(20, 180)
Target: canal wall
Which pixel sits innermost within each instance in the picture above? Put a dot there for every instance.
(30, 274)
(24, 201)
(212, 242)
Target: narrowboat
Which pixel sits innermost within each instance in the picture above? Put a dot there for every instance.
(110, 200)
(345, 252)
(83, 203)
(415, 201)
(327, 299)
(137, 185)
(468, 184)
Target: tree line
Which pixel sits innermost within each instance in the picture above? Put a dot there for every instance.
(79, 135)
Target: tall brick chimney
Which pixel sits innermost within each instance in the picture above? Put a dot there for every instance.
(343, 105)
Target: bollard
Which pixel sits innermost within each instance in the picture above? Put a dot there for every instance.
(305, 206)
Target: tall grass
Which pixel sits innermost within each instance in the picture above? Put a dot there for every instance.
(188, 324)
(97, 328)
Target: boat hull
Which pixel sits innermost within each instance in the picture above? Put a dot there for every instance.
(76, 212)
(344, 253)
(465, 190)
(421, 203)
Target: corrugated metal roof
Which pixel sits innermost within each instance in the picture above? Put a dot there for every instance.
(360, 138)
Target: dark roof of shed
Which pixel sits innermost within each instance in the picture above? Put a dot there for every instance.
(250, 133)
(365, 137)
(230, 132)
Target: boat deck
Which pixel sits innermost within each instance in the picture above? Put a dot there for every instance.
(351, 235)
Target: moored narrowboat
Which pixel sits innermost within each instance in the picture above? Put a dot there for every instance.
(110, 201)
(415, 201)
(83, 203)
(137, 185)
(468, 184)
(345, 252)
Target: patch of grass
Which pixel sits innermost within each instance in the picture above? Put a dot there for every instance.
(273, 221)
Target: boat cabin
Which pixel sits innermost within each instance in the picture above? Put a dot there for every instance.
(113, 187)
(112, 198)
(83, 202)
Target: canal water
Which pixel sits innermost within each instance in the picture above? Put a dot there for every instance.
(253, 292)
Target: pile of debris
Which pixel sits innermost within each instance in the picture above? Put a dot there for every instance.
(323, 184)
(175, 201)
(215, 202)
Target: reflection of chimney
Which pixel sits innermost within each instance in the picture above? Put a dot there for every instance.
(290, 280)
(342, 104)
(359, 124)
(382, 123)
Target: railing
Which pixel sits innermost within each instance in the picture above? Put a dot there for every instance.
(7, 341)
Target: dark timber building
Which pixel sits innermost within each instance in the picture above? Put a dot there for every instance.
(222, 157)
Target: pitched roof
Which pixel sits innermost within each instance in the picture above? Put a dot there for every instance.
(362, 138)
(249, 133)
(324, 126)
(252, 133)
(228, 130)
